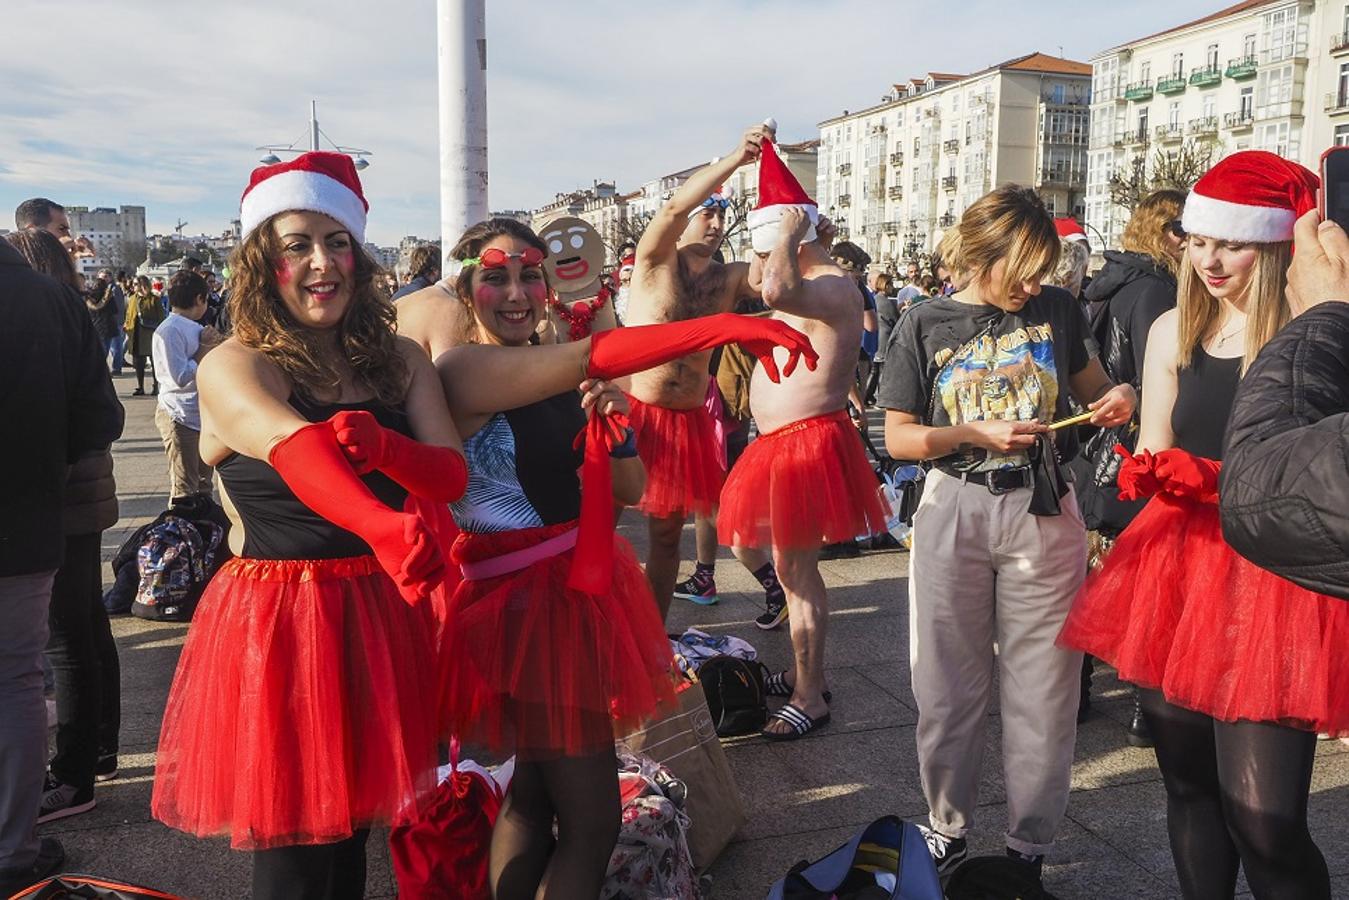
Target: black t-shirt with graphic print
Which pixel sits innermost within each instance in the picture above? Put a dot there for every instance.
(1017, 370)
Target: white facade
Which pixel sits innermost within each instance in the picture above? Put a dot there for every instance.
(896, 175)
(111, 231)
(1270, 75)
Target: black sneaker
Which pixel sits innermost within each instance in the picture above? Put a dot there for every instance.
(50, 857)
(1035, 861)
(841, 550)
(106, 767)
(775, 614)
(694, 590)
(1139, 735)
(947, 852)
(62, 800)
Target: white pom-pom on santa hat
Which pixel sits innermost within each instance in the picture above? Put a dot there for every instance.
(318, 181)
(778, 190)
(1253, 196)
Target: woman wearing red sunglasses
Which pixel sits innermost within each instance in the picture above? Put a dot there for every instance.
(553, 635)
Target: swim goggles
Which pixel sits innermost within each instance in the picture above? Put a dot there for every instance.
(716, 201)
(496, 258)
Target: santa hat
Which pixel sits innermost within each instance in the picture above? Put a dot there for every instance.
(1069, 229)
(319, 181)
(628, 262)
(1251, 196)
(778, 189)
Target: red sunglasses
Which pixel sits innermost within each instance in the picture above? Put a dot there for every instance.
(496, 258)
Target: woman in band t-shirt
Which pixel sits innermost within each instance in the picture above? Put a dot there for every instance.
(970, 382)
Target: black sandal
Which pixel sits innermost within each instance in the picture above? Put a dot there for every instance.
(795, 719)
(776, 685)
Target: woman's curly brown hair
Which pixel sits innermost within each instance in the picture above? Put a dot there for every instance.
(365, 334)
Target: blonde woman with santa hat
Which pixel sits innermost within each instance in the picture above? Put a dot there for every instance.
(302, 710)
(1239, 667)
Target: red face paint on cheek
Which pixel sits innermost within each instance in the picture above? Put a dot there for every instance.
(346, 261)
(282, 269)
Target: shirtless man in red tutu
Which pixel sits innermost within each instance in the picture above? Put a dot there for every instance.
(805, 481)
(676, 279)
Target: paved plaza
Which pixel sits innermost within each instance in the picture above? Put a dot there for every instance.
(803, 798)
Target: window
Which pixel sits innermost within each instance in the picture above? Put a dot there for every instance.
(1145, 72)
(1177, 64)
(1057, 93)
(1248, 47)
(1342, 87)
(1342, 135)
(1209, 105)
(1281, 33)
(1173, 115)
(1274, 92)
(1143, 122)
(1211, 57)
(1247, 102)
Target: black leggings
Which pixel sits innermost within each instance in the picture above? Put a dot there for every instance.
(312, 871)
(582, 792)
(140, 363)
(1236, 793)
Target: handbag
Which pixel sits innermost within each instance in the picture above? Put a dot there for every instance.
(887, 859)
(686, 743)
(444, 854)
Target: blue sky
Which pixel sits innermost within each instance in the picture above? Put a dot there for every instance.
(162, 103)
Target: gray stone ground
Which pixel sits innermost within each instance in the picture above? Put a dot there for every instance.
(803, 798)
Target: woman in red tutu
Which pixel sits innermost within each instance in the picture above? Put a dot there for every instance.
(302, 710)
(553, 636)
(1239, 667)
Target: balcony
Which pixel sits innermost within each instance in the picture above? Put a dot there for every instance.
(1239, 121)
(845, 169)
(845, 200)
(1076, 138)
(897, 158)
(1203, 127)
(1241, 68)
(1207, 76)
(947, 220)
(951, 146)
(1172, 84)
(896, 192)
(1061, 176)
(1172, 131)
(1337, 104)
(890, 227)
(1339, 43)
(1139, 136)
(948, 183)
(1138, 91)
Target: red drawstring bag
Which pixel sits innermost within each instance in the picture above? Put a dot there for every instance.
(443, 855)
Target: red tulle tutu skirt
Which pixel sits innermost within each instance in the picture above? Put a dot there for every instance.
(682, 455)
(1175, 608)
(804, 485)
(303, 706)
(546, 671)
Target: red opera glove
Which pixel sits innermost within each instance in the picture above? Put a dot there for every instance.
(435, 473)
(313, 467)
(637, 348)
(1186, 475)
(1136, 478)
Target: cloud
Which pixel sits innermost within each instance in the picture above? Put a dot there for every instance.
(148, 102)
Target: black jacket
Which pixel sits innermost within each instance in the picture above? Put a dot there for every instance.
(1128, 295)
(1285, 480)
(56, 404)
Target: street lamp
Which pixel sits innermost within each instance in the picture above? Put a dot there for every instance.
(315, 133)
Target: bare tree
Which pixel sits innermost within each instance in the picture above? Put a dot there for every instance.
(631, 228)
(737, 225)
(1177, 169)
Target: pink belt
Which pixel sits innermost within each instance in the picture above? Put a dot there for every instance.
(506, 563)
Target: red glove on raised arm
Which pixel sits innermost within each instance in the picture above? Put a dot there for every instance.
(1136, 478)
(637, 348)
(435, 473)
(1185, 475)
(312, 465)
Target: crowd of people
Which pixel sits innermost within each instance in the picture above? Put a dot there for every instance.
(1141, 465)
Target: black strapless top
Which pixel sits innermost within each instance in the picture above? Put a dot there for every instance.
(1205, 392)
(276, 524)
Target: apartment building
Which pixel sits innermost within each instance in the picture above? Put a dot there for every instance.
(118, 235)
(894, 176)
(1261, 74)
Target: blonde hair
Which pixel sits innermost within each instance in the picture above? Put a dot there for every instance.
(1146, 231)
(1266, 306)
(1072, 266)
(1009, 223)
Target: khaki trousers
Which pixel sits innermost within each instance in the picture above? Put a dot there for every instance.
(984, 570)
(187, 473)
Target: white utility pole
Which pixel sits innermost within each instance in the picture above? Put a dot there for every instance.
(313, 125)
(461, 45)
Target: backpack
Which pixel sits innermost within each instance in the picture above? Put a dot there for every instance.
(995, 878)
(176, 558)
(87, 887)
(734, 689)
(886, 860)
(651, 859)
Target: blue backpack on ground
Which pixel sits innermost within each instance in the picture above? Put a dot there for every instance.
(887, 860)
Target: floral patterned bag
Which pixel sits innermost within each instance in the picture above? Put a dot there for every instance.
(651, 859)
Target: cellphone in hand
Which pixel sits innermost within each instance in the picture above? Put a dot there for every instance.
(1335, 186)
